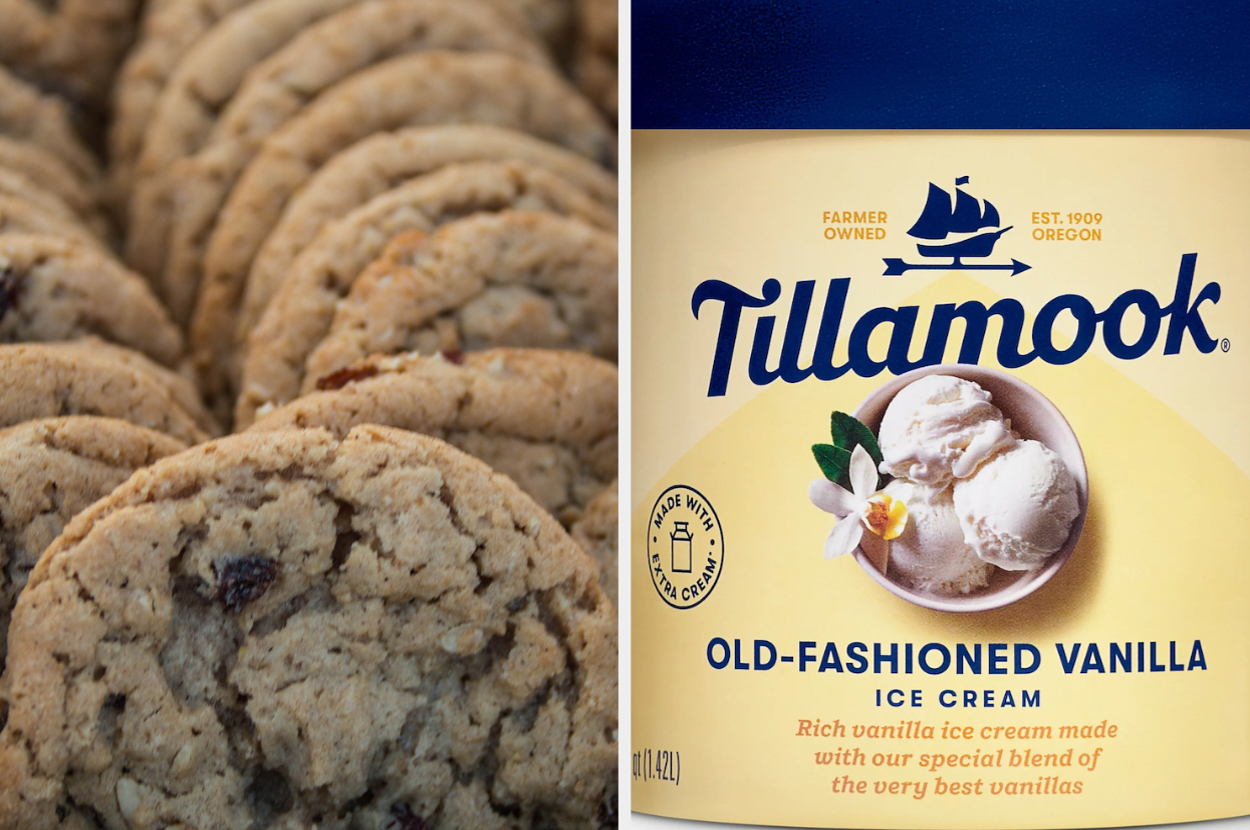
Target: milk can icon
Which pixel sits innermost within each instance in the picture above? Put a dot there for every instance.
(682, 548)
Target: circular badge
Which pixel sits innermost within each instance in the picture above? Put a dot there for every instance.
(685, 546)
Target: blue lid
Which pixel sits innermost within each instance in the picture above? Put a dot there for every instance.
(989, 64)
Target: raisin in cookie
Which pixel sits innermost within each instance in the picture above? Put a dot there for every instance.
(516, 278)
(90, 377)
(184, 202)
(326, 270)
(53, 470)
(54, 290)
(545, 418)
(293, 630)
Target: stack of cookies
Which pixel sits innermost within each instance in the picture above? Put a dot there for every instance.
(374, 241)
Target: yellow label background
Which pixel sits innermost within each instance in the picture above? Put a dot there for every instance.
(1163, 555)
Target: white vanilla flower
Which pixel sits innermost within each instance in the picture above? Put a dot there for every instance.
(861, 507)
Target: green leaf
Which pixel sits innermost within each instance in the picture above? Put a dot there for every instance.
(857, 435)
(834, 463)
(837, 428)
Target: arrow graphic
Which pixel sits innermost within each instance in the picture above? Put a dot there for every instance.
(896, 267)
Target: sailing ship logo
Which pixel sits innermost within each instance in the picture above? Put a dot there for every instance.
(964, 227)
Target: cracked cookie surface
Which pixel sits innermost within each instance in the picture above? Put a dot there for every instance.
(289, 630)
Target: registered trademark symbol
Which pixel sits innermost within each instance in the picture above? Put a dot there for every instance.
(1225, 345)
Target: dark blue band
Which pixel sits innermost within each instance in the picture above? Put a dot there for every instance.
(989, 64)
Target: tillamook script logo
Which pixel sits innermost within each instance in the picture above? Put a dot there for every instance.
(1183, 314)
(962, 228)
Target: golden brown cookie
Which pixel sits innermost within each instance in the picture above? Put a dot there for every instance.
(47, 171)
(26, 114)
(295, 630)
(525, 279)
(53, 470)
(596, 532)
(182, 205)
(71, 45)
(203, 82)
(596, 56)
(326, 270)
(432, 87)
(168, 30)
(54, 290)
(386, 160)
(90, 377)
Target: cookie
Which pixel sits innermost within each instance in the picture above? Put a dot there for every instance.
(323, 274)
(90, 377)
(16, 184)
(551, 20)
(26, 114)
(46, 170)
(596, 532)
(596, 59)
(71, 45)
(183, 204)
(53, 470)
(19, 215)
(203, 82)
(386, 160)
(432, 87)
(511, 279)
(172, 27)
(291, 630)
(53, 290)
(545, 418)
(169, 29)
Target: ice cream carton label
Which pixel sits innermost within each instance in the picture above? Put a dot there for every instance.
(938, 478)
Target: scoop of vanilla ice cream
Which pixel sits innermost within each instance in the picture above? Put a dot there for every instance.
(1019, 508)
(940, 427)
(931, 554)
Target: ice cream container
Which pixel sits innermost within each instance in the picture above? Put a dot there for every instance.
(939, 405)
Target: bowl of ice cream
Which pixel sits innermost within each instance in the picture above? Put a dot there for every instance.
(994, 480)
